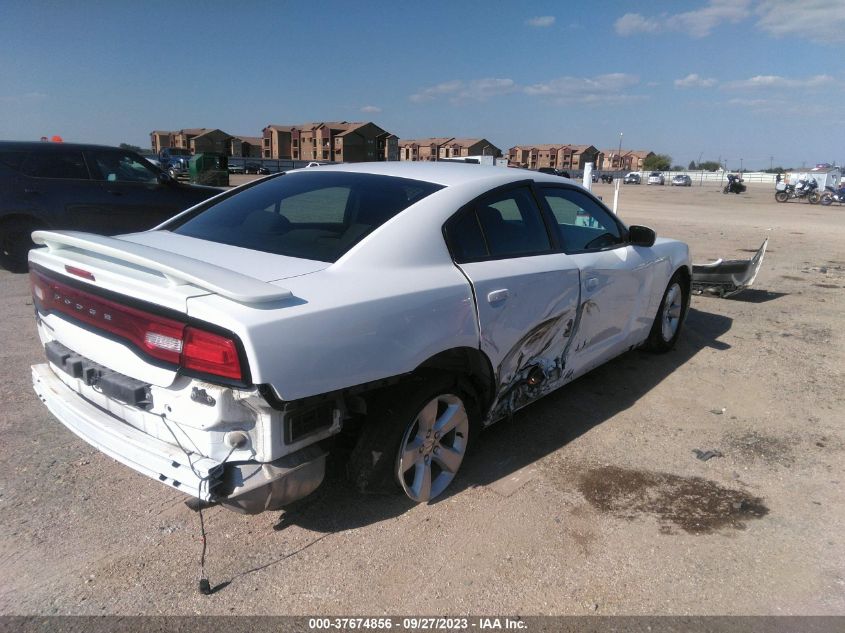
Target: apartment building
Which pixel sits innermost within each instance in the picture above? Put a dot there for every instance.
(246, 146)
(457, 147)
(422, 148)
(330, 141)
(556, 156)
(197, 140)
(622, 160)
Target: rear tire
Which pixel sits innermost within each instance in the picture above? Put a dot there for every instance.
(814, 198)
(15, 243)
(826, 199)
(781, 196)
(670, 315)
(415, 437)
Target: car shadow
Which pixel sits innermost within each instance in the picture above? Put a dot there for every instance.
(755, 295)
(531, 434)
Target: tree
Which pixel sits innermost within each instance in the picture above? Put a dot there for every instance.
(692, 165)
(131, 148)
(709, 165)
(657, 162)
(677, 168)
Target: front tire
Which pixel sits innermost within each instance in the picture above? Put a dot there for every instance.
(814, 197)
(670, 316)
(415, 438)
(781, 196)
(826, 199)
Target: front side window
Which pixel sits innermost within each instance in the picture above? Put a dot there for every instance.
(509, 224)
(56, 164)
(122, 167)
(315, 215)
(582, 223)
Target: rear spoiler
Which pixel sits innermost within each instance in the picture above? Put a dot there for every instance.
(177, 269)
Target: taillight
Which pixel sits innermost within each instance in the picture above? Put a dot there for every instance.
(210, 354)
(162, 338)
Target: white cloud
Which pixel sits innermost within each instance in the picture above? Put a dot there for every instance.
(27, 97)
(776, 81)
(608, 88)
(632, 23)
(541, 21)
(816, 20)
(697, 23)
(371, 109)
(462, 91)
(693, 80)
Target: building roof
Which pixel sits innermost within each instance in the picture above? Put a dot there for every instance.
(193, 130)
(215, 130)
(252, 140)
(469, 142)
(434, 140)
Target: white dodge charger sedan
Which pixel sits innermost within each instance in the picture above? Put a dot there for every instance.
(394, 309)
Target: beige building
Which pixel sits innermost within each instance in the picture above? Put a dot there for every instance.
(457, 147)
(624, 160)
(246, 146)
(197, 140)
(330, 141)
(557, 156)
(422, 148)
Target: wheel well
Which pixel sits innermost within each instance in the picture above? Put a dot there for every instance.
(684, 274)
(469, 363)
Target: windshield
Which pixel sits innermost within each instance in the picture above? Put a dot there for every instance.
(315, 215)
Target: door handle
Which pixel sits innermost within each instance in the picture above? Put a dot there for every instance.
(592, 283)
(497, 296)
(28, 190)
(114, 193)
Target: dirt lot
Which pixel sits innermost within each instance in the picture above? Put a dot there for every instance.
(589, 501)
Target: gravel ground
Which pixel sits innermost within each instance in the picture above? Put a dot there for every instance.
(589, 501)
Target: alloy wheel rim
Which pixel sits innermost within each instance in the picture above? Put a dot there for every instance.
(433, 447)
(672, 309)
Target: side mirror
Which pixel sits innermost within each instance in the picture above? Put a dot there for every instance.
(641, 235)
(165, 178)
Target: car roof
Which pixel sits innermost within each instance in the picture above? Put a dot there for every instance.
(441, 173)
(50, 146)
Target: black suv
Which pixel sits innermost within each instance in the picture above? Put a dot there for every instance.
(82, 187)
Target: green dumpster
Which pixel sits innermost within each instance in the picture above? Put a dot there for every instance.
(209, 169)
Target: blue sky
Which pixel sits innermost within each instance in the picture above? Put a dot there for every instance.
(749, 79)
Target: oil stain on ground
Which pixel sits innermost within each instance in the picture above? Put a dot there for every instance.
(693, 504)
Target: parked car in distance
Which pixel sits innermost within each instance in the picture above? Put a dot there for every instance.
(255, 168)
(632, 178)
(656, 178)
(92, 188)
(681, 180)
(236, 169)
(394, 309)
(554, 172)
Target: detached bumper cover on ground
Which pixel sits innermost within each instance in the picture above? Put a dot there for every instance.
(726, 278)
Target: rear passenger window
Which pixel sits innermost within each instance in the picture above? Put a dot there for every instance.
(53, 164)
(582, 223)
(506, 225)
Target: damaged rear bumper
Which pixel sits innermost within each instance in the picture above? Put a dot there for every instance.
(726, 278)
(248, 487)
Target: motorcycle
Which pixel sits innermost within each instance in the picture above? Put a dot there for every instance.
(831, 195)
(804, 189)
(734, 185)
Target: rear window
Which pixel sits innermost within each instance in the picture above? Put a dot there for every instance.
(317, 215)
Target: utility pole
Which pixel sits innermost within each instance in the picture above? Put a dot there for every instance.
(740, 165)
(771, 163)
(700, 170)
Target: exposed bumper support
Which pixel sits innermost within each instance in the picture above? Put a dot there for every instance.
(126, 444)
(248, 487)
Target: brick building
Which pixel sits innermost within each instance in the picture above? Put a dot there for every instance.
(556, 156)
(624, 160)
(330, 141)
